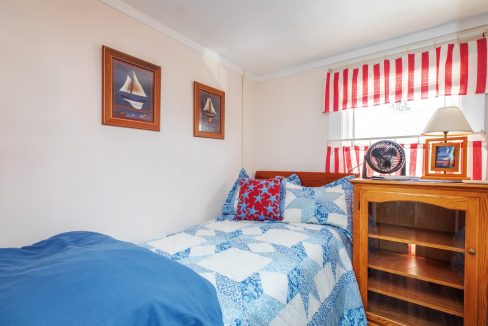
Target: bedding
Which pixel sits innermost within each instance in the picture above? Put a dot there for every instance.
(86, 278)
(329, 204)
(232, 199)
(259, 200)
(272, 273)
(230, 205)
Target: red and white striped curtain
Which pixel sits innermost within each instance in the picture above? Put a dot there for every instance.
(450, 69)
(349, 159)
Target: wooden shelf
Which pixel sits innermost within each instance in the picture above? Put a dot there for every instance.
(422, 237)
(430, 270)
(443, 299)
(388, 316)
(417, 235)
(391, 313)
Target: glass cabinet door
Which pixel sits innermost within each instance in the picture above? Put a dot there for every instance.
(416, 262)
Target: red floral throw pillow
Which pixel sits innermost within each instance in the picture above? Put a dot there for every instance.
(259, 200)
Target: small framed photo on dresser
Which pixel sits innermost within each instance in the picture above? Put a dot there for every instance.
(445, 158)
(208, 111)
(131, 91)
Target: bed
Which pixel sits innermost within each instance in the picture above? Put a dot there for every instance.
(273, 273)
(224, 271)
(87, 278)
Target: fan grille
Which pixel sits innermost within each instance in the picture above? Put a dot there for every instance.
(385, 156)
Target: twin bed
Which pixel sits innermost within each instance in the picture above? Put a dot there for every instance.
(240, 273)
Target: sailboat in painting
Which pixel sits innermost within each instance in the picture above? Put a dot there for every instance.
(133, 92)
(209, 110)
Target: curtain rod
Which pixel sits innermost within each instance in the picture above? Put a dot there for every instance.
(482, 133)
(466, 35)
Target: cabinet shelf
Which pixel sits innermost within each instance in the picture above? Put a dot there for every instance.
(422, 237)
(392, 313)
(430, 270)
(446, 300)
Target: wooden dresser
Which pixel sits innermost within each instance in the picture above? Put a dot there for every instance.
(420, 252)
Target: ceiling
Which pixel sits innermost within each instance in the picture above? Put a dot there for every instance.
(267, 36)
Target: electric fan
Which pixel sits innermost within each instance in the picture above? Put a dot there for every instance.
(385, 157)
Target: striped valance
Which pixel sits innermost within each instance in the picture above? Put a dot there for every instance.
(450, 69)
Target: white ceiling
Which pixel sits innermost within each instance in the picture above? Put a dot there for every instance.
(266, 36)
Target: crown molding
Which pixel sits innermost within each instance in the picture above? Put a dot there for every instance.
(413, 41)
(160, 27)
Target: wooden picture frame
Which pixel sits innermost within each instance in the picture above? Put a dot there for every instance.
(445, 158)
(131, 90)
(208, 111)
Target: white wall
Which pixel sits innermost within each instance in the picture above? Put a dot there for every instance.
(61, 169)
(284, 128)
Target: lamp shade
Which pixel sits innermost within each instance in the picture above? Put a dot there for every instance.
(449, 119)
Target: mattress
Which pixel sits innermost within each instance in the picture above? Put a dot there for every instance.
(271, 273)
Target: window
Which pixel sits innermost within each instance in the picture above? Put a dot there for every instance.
(401, 119)
(352, 131)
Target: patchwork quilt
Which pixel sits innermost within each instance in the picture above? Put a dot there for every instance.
(272, 273)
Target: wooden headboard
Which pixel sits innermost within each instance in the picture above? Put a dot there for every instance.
(309, 179)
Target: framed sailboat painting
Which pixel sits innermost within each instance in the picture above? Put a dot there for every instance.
(208, 111)
(131, 91)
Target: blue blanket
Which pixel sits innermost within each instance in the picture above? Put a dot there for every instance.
(85, 278)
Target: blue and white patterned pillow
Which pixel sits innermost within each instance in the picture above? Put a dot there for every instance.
(330, 204)
(295, 179)
(230, 206)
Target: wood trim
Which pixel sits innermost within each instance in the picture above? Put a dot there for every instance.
(108, 55)
(359, 258)
(448, 200)
(471, 268)
(424, 185)
(482, 239)
(363, 247)
(308, 179)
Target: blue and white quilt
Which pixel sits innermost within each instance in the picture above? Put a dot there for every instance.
(272, 273)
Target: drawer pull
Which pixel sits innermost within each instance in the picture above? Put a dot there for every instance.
(472, 251)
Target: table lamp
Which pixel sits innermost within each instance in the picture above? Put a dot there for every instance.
(449, 119)
(446, 158)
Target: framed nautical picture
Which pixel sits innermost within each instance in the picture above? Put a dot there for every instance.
(208, 111)
(131, 91)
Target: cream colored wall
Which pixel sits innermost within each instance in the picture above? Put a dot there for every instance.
(250, 105)
(284, 128)
(61, 169)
